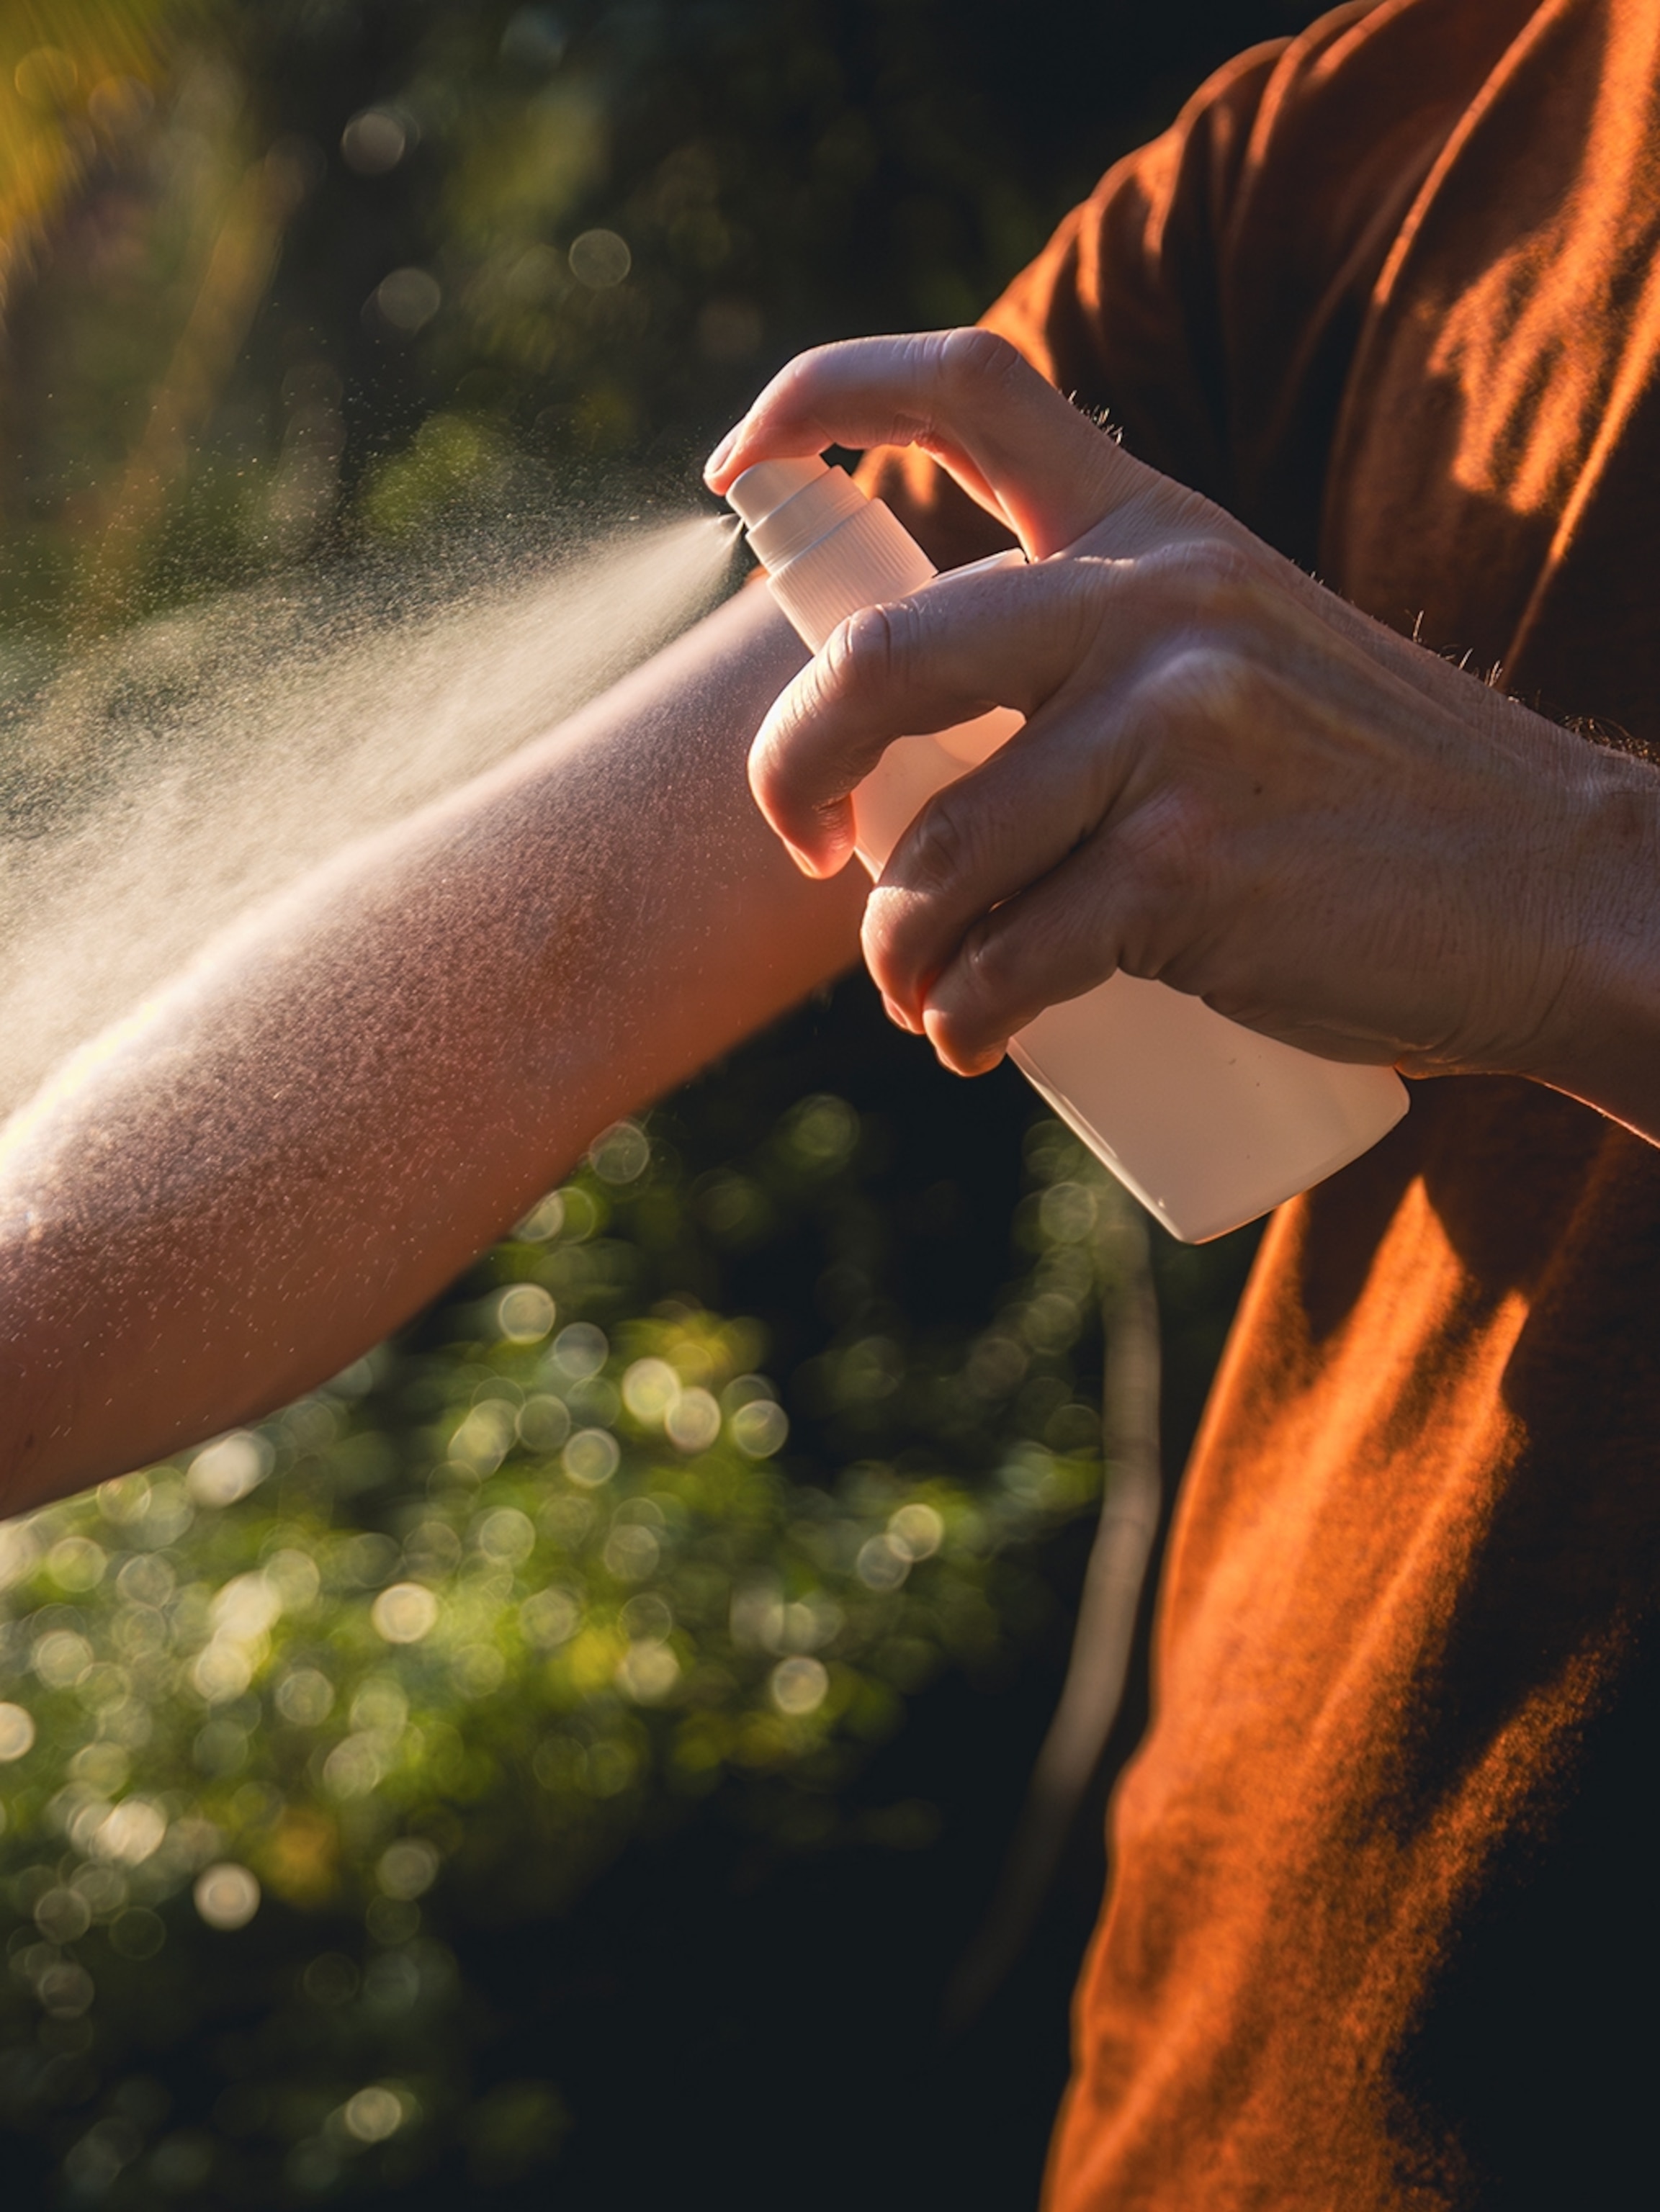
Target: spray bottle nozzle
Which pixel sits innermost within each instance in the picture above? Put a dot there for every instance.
(763, 489)
(828, 548)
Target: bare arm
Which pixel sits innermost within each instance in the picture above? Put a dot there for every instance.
(296, 1143)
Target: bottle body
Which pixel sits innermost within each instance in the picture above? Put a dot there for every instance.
(1209, 1123)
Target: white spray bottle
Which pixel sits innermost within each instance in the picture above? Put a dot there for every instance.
(1209, 1123)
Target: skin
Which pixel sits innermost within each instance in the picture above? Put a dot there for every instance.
(1229, 780)
(301, 1141)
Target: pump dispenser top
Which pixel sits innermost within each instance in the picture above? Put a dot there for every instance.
(761, 490)
(1209, 1123)
(828, 549)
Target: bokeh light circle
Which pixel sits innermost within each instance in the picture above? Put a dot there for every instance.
(600, 259)
(760, 1428)
(798, 1684)
(524, 1314)
(404, 1613)
(590, 1457)
(372, 2115)
(16, 1732)
(226, 1895)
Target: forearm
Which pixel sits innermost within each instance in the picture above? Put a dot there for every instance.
(299, 1141)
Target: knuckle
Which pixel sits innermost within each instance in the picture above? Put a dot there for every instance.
(792, 392)
(1205, 564)
(860, 655)
(990, 967)
(1221, 570)
(1205, 684)
(973, 358)
(1212, 579)
(1215, 557)
(943, 844)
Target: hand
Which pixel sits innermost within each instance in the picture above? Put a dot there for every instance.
(1229, 779)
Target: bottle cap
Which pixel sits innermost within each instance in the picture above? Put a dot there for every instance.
(761, 490)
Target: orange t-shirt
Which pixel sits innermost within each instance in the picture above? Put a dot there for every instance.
(1380, 1928)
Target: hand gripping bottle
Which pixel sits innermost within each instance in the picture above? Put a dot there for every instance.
(1209, 1123)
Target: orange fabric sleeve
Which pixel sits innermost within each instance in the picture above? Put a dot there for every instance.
(1118, 312)
(1209, 294)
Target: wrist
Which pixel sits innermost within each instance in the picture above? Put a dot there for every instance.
(1600, 1039)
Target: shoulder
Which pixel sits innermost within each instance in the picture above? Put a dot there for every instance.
(1210, 290)
(1208, 294)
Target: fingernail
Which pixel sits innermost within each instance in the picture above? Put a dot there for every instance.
(711, 467)
(803, 861)
(960, 1063)
(897, 1014)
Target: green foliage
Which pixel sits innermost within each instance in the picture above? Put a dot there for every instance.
(349, 254)
(429, 1648)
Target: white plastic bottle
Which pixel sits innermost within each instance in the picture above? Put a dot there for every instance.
(1209, 1123)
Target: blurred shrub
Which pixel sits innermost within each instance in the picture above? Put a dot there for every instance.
(343, 253)
(426, 1649)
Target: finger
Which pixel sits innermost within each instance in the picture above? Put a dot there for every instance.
(986, 839)
(968, 397)
(1010, 638)
(1055, 939)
